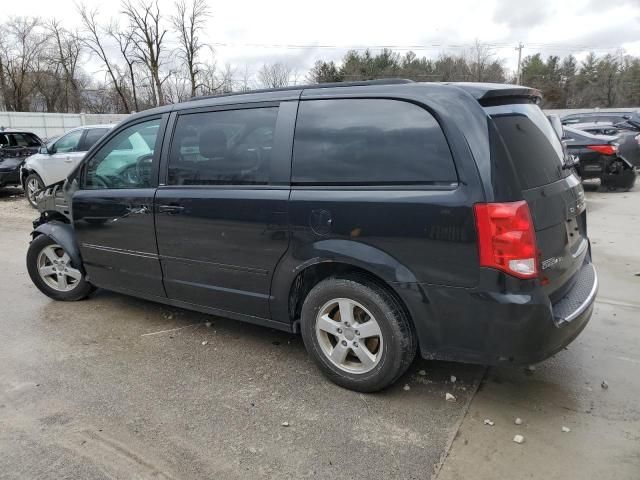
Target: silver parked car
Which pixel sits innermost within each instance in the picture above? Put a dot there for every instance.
(58, 158)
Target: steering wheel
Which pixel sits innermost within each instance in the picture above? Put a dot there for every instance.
(143, 167)
(101, 181)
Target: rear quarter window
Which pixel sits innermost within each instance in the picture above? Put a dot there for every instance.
(91, 137)
(369, 142)
(534, 147)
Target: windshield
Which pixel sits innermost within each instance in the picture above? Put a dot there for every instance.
(534, 146)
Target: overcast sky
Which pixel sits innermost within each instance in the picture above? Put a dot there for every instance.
(252, 32)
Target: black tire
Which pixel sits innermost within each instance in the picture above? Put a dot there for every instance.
(33, 177)
(399, 341)
(80, 290)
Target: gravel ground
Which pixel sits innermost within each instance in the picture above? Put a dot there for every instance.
(116, 387)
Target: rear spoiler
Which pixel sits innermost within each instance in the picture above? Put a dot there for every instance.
(490, 94)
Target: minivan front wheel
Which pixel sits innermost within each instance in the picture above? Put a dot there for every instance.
(357, 333)
(50, 269)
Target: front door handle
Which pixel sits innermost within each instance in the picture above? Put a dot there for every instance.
(170, 209)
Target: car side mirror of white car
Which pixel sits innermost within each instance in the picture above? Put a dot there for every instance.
(44, 150)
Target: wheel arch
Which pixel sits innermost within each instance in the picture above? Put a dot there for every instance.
(61, 233)
(301, 270)
(28, 169)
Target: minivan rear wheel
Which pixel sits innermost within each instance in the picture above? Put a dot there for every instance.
(357, 333)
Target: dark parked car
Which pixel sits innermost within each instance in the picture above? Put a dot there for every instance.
(601, 157)
(628, 140)
(627, 119)
(377, 218)
(15, 147)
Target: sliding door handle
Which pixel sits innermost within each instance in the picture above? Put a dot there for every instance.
(170, 209)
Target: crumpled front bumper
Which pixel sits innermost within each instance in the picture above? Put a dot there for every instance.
(10, 177)
(53, 199)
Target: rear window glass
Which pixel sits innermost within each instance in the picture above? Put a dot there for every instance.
(92, 136)
(369, 142)
(532, 143)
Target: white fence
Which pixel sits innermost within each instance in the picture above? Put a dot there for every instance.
(47, 125)
(569, 111)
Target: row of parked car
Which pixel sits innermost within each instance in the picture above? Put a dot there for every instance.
(605, 145)
(28, 161)
(602, 145)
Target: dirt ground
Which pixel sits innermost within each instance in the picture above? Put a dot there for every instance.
(116, 387)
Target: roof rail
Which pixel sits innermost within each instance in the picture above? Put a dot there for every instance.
(361, 83)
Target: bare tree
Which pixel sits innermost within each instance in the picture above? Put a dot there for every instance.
(148, 36)
(4, 55)
(245, 82)
(274, 75)
(215, 80)
(188, 22)
(21, 47)
(126, 45)
(482, 63)
(67, 49)
(94, 41)
(47, 77)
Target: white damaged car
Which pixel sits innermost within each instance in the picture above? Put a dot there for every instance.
(58, 158)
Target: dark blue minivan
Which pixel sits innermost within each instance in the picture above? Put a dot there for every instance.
(378, 219)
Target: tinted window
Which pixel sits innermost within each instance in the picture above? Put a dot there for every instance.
(91, 137)
(369, 142)
(125, 161)
(533, 145)
(223, 147)
(68, 143)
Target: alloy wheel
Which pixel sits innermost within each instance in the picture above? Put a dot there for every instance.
(349, 335)
(32, 187)
(54, 267)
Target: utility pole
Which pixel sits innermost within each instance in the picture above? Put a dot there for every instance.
(519, 48)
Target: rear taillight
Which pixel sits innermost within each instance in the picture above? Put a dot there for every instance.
(506, 238)
(604, 149)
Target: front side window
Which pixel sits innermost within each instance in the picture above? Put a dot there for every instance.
(125, 161)
(227, 147)
(369, 142)
(68, 143)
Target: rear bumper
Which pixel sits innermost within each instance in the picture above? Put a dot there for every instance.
(490, 326)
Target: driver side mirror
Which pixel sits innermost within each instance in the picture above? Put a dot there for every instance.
(44, 150)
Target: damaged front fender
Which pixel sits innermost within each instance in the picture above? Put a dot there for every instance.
(61, 233)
